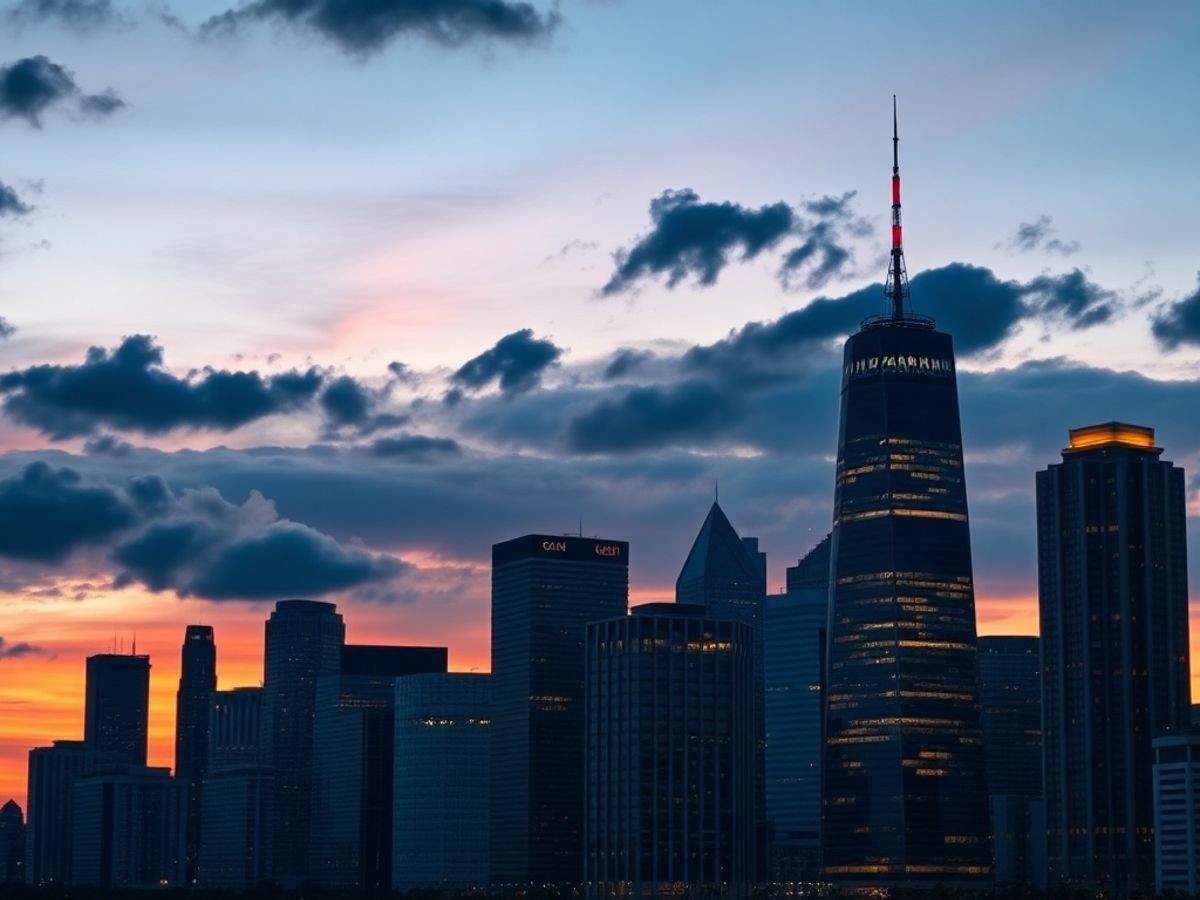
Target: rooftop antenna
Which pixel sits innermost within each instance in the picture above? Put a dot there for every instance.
(133, 652)
(716, 491)
(897, 281)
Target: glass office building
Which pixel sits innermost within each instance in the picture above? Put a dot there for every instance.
(353, 759)
(442, 781)
(1112, 596)
(545, 591)
(1010, 690)
(794, 644)
(671, 755)
(905, 793)
(53, 772)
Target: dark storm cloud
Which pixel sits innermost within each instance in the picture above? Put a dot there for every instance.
(824, 254)
(517, 362)
(363, 27)
(414, 448)
(19, 649)
(693, 238)
(403, 373)
(1072, 297)
(194, 543)
(969, 302)
(31, 86)
(625, 362)
(648, 418)
(80, 15)
(1039, 235)
(287, 560)
(1179, 323)
(129, 390)
(7, 329)
(350, 406)
(11, 204)
(46, 513)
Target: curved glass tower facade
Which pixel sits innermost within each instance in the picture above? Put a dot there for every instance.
(905, 793)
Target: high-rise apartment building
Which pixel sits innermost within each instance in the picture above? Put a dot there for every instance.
(794, 647)
(1010, 690)
(53, 772)
(1177, 814)
(440, 802)
(303, 642)
(117, 708)
(197, 681)
(545, 591)
(1113, 602)
(905, 791)
(353, 763)
(671, 755)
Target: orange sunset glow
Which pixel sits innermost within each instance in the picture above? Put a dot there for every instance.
(41, 697)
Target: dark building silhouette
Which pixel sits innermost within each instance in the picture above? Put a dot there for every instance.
(671, 754)
(235, 823)
(390, 661)
(235, 728)
(353, 764)
(128, 829)
(117, 707)
(53, 772)
(905, 796)
(1112, 593)
(442, 782)
(236, 828)
(794, 648)
(545, 590)
(1010, 691)
(197, 681)
(727, 575)
(12, 843)
(303, 642)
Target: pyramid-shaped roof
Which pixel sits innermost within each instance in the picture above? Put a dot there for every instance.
(718, 553)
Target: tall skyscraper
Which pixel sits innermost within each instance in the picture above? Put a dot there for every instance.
(127, 829)
(12, 843)
(545, 591)
(303, 642)
(53, 772)
(442, 782)
(794, 647)
(905, 793)
(235, 823)
(353, 763)
(670, 755)
(1112, 596)
(197, 681)
(727, 575)
(1010, 690)
(117, 707)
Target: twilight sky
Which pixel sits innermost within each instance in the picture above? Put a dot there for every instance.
(324, 297)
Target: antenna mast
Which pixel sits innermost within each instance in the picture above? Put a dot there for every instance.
(897, 280)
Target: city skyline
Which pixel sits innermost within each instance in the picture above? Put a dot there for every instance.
(1058, 260)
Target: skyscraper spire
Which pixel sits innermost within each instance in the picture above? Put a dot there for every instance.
(897, 280)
